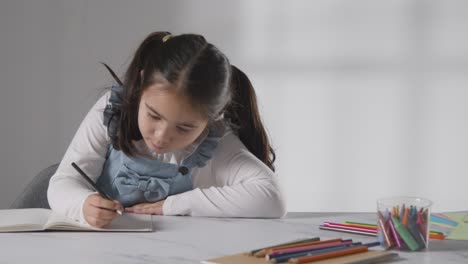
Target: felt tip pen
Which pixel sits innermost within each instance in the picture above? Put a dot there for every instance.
(405, 234)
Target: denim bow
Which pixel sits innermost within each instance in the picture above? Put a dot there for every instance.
(152, 188)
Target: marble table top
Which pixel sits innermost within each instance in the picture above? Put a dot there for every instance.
(179, 239)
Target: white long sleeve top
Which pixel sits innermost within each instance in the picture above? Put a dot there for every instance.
(234, 183)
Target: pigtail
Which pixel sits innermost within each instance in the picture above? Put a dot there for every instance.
(127, 130)
(243, 114)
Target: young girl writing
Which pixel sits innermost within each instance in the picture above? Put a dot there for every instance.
(180, 135)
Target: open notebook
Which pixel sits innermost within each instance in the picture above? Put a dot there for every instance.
(38, 219)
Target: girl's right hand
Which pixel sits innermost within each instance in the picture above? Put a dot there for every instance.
(99, 212)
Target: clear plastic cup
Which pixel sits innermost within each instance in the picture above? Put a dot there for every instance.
(403, 222)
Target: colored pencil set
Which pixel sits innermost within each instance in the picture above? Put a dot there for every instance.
(351, 227)
(365, 229)
(404, 227)
(313, 249)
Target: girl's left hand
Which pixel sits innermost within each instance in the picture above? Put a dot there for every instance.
(147, 208)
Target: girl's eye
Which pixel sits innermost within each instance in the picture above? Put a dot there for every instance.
(183, 130)
(154, 117)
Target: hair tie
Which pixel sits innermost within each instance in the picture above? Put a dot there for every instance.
(165, 38)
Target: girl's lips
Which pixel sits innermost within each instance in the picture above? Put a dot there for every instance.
(157, 148)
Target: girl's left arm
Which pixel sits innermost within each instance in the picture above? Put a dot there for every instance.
(244, 187)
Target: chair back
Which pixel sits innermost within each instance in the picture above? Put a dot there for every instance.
(35, 193)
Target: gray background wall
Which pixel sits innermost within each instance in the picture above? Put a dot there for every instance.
(362, 99)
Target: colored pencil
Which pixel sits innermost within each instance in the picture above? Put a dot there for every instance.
(268, 250)
(253, 252)
(432, 234)
(275, 253)
(288, 256)
(359, 224)
(327, 255)
(352, 227)
(339, 229)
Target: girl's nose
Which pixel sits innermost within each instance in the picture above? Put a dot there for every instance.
(162, 135)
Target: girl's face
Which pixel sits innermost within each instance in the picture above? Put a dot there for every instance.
(167, 121)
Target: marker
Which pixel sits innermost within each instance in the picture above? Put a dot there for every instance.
(394, 233)
(384, 229)
(405, 235)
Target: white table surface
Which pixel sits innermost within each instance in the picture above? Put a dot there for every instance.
(178, 239)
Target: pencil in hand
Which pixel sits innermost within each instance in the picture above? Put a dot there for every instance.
(101, 192)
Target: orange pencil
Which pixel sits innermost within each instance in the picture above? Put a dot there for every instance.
(333, 254)
(436, 236)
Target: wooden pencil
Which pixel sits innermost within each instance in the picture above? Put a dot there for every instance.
(264, 252)
(294, 242)
(334, 254)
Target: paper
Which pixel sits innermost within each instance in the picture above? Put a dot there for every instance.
(39, 219)
(460, 232)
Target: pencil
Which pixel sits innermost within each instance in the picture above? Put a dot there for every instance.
(327, 255)
(340, 229)
(270, 249)
(286, 257)
(260, 250)
(360, 224)
(350, 227)
(101, 192)
(432, 233)
(436, 236)
(308, 248)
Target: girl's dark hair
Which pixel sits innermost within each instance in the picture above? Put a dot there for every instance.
(244, 116)
(199, 71)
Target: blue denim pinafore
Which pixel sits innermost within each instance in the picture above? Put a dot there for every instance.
(138, 179)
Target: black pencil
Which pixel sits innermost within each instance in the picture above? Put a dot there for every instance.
(101, 192)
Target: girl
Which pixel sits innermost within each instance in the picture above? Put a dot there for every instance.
(181, 135)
